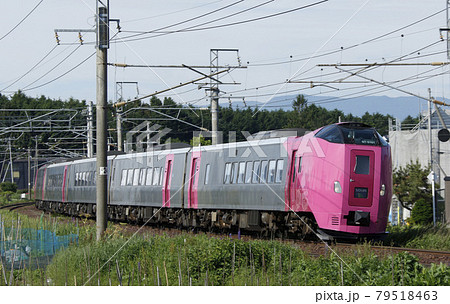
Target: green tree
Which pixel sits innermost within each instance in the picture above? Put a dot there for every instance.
(422, 212)
(411, 184)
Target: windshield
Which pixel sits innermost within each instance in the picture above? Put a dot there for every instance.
(356, 134)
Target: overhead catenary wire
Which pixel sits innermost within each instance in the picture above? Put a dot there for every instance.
(21, 21)
(196, 28)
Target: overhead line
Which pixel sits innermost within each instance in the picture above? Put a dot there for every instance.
(21, 21)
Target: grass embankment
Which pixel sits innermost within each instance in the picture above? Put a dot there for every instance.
(200, 260)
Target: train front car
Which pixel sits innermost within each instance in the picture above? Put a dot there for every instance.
(342, 174)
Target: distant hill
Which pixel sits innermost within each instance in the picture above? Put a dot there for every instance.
(398, 107)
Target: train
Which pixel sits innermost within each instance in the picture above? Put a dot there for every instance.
(334, 182)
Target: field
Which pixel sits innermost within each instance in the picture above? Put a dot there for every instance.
(189, 259)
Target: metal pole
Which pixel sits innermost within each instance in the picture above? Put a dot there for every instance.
(101, 212)
(429, 129)
(90, 132)
(119, 129)
(29, 173)
(11, 160)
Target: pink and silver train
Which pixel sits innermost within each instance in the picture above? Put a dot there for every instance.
(335, 182)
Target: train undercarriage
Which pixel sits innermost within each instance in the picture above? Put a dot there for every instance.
(264, 223)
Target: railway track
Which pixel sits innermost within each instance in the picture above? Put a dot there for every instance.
(12, 207)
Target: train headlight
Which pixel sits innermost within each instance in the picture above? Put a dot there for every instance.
(383, 190)
(337, 187)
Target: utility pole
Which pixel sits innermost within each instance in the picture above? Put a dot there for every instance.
(29, 173)
(11, 160)
(90, 132)
(119, 109)
(214, 90)
(119, 128)
(101, 134)
(431, 177)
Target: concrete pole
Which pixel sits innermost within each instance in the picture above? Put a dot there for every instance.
(214, 115)
(119, 129)
(90, 132)
(101, 212)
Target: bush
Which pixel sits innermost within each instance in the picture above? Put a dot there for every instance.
(8, 186)
(422, 212)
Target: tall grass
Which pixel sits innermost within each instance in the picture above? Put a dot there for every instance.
(423, 237)
(199, 260)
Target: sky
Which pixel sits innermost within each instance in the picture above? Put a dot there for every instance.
(275, 51)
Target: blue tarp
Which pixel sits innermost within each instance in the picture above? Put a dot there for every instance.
(31, 244)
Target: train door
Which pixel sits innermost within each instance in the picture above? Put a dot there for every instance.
(361, 178)
(166, 184)
(64, 188)
(294, 181)
(193, 183)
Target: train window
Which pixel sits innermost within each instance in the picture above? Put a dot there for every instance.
(76, 178)
(271, 175)
(88, 178)
(360, 136)
(136, 177)
(227, 175)
(299, 164)
(142, 177)
(255, 172)
(130, 177)
(241, 174)
(161, 176)
(362, 165)
(156, 176)
(123, 180)
(279, 175)
(207, 174)
(149, 180)
(331, 134)
(248, 173)
(83, 178)
(234, 173)
(263, 175)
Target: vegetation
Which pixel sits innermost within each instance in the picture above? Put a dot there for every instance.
(200, 260)
(422, 212)
(419, 236)
(411, 184)
(8, 186)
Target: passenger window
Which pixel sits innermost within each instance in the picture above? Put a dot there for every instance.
(255, 172)
(149, 180)
(362, 165)
(299, 164)
(156, 176)
(271, 176)
(227, 176)
(130, 177)
(241, 173)
(248, 173)
(264, 171)
(136, 177)
(161, 176)
(207, 174)
(279, 175)
(142, 177)
(234, 173)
